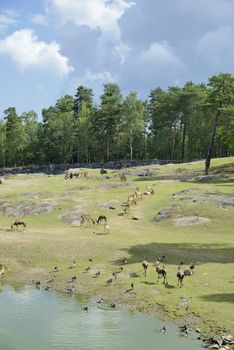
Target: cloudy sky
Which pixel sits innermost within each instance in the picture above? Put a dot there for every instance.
(49, 47)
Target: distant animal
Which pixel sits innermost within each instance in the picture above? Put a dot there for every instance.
(51, 279)
(56, 269)
(109, 281)
(127, 209)
(71, 289)
(112, 305)
(161, 271)
(103, 171)
(107, 229)
(87, 269)
(70, 173)
(18, 223)
(101, 219)
(85, 308)
(180, 276)
(100, 301)
(189, 271)
(97, 274)
(145, 266)
(86, 219)
(123, 177)
(2, 270)
(72, 265)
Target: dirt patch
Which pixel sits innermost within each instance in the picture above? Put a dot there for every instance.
(26, 208)
(35, 194)
(166, 212)
(191, 220)
(72, 216)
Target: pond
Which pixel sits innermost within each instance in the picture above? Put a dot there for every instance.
(43, 320)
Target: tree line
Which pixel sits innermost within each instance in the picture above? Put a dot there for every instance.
(180, 123)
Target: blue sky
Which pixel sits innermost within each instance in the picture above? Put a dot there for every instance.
(49, 47)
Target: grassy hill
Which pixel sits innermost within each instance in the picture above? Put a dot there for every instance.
(196, 225)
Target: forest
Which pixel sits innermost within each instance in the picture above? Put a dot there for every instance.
(180, 123)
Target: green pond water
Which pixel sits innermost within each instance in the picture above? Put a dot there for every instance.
(32, 319)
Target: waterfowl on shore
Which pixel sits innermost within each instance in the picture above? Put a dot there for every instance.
(52, 278)
(87, 269)
(56, 269)
(47, 288)
(70, 289)
(100, 301)
(112, 305)
(72, 265)
(85, 308)
(97, 274)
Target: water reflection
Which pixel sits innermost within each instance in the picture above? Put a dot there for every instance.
(38, 319)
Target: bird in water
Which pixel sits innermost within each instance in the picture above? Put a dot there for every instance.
(112, 305)
(162, 330)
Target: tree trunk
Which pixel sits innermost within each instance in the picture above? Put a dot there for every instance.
(183, 140)
(211, 145)
(131, 148)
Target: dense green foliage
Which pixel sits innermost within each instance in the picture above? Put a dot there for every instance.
(183, 124)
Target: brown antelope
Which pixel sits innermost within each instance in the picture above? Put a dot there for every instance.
(86, 218)
(189, 270)
(2, 270)
(107, 229)
(180, 276)
(162, 272)
(101, 219)
(145, 266)
(18, 223)
(127, 209)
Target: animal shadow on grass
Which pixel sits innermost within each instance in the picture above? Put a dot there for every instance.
(169, 286)
(149, 283)
(101, 234)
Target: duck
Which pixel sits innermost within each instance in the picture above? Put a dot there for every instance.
(112, 305)
(100, 301)
(85, 308)
(72, 265)
(97, 274)
(87, 269)
(162, 330)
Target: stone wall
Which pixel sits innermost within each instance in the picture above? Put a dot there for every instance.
(60, 168)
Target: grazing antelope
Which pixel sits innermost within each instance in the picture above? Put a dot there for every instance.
(101, 219)
(162, 272)
(86, 218)
(180, 276)
(126, 209)
(107, 229)
(145, 266)
(18, 223)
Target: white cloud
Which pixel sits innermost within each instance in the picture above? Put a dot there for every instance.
(39, 19)
(24, 48)
(216, 48)
(104, 76)
(96, 14)
(161, 56)
(7, 19)
(123, 51)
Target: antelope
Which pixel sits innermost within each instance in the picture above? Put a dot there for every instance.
(18, 223)
(107, 229)
(2, 270)
(180, 276)
(145, 266)
(161, 271)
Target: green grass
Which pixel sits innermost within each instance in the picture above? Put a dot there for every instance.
(48, 242)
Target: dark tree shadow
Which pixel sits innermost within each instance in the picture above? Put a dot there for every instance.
(177, 252)
(223, 298)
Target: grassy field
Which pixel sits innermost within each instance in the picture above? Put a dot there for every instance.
(207, 297)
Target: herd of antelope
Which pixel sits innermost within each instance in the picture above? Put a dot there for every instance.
(162, 272)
